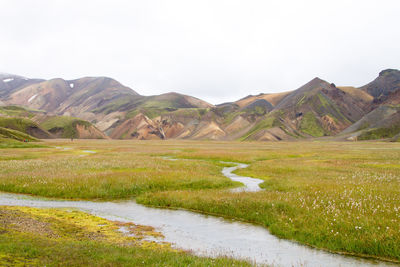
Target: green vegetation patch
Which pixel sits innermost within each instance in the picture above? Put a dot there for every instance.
(267, 123)
(67, 125)
(19, 124)
(380, 133)
(326, 195)
(60, 237)
(190, 112)
(15, 111)
(11, 143)
(231, 116)
(16, 135)
(310, 125)
(123, 103)
(329, 108)
(107, 176)
(340, 196)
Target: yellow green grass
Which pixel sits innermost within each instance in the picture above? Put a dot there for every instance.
(64, 123)
(342, 197)
(62, 237)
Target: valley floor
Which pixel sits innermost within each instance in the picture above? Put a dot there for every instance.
(342, 197)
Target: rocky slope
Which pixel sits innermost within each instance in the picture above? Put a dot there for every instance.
(318, 108)
(41, 125)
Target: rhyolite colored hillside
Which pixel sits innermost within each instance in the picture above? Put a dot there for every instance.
(100, 107)
(33, 124)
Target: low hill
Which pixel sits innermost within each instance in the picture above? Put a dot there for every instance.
(382, 119)
(6, 133)
(151, 111)
(41, 125)
(16, 111)
(382, 122)
(70, 127)
(25, 126)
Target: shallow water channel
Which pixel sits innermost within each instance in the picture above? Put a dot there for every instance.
(205, 235)
(250, 184)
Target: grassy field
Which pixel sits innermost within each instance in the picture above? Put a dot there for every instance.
(342, 197)
(54, 237)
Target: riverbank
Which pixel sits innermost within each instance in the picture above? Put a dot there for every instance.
(68, 237)
(337, 196)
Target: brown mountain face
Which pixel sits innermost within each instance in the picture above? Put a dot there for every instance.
(387, 82)
(382, 119)
(273, 99)
(41, 125)
(78, 98)
(73, 97)
(10, 83)
(316, 109)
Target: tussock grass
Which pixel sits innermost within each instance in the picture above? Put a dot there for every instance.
(60, 237)
(338, 196)
(118, 172)
(342, 197)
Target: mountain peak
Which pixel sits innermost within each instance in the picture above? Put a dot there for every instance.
(388, 72)
(387, 82)
(4, 75)
(317, 79)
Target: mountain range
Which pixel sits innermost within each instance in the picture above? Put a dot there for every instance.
(101, 107)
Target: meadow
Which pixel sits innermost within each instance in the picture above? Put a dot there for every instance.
(65, 237)
(342, 197)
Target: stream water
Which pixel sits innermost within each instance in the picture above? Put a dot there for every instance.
(205, 235)
(249, 184)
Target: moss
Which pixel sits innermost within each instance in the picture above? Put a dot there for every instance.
(231, 116)
(301, 101)
(17, 135)
(324, 102)
(380, 133)
(65, 237)
(331, 109)
(195, 113)
(67, 125)
(132, 113)
(153, 112)
(19, 124)
(267, 123)
(310, 125)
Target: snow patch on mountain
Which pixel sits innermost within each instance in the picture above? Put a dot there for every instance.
(32, 97)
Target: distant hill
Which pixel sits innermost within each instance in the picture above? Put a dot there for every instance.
(100, 107)
(25, 126)
(38, 124)
(382, 122)
(69, 127)
(382, 117)
(386, 83)
(6, 133)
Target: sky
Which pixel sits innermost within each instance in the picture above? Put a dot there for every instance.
(215, 50)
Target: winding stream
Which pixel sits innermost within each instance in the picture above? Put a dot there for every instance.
(250, 184)
(206, 235)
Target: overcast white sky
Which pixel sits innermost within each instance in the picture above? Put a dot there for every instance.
(216, 50)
